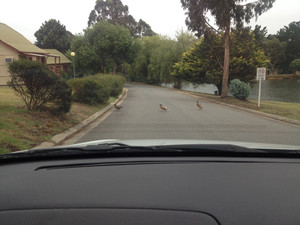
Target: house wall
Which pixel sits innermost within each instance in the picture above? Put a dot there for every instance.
(65, 67)
(5, 52)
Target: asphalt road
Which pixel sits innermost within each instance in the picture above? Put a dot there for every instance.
(141, 118)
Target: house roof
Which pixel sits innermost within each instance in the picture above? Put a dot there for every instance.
(17, 41)
(54, 52)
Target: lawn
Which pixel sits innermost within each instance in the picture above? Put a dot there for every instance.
(285, 109)
(21, 129)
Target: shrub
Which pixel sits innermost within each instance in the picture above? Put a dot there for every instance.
(89, 91)
(67, 75)
(62, 100)
(239, 89)
(295, 65)
(115, 83)
(96, 88)
(95, 92)
(37, 86)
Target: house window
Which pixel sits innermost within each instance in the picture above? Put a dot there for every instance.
(57, 69)
(8, 60)
(65, 68)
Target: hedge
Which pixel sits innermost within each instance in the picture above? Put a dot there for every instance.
(96, 88)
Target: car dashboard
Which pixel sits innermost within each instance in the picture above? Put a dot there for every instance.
(151, 190)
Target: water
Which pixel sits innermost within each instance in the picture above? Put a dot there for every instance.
(278, 90)
(272, 90)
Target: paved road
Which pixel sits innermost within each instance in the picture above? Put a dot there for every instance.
(141, 118)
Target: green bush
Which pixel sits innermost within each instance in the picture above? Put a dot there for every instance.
(295, 65)
(96, 88)
(88, 91)
(239, 89)
(67, 75)
(63, 96)
(38, 87)
(115, 83)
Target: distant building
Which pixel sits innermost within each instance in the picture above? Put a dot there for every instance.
(14, 46)
(55, 66)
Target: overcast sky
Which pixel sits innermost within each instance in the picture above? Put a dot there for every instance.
(164, 16)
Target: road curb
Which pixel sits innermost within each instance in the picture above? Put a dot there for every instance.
(60, 138)
(267, 115)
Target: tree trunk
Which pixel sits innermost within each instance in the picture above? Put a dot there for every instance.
(226, 62)
(219, 87)
(177, 83)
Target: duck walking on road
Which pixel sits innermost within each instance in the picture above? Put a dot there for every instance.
(163, 108)
(199, 105)
(118, 107)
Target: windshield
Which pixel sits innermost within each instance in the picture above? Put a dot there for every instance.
(82, 71)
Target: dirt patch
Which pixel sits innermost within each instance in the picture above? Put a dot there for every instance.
(9, 146)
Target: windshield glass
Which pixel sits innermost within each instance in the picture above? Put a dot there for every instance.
(81, 71)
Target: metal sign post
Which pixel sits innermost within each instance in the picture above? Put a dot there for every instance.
(260, 75)
(259, 93)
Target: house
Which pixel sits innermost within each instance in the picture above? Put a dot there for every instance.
(14, 46)
(64, 64)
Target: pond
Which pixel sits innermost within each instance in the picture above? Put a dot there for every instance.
(272, 90)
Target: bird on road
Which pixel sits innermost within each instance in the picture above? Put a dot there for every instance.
(118, 107)
(199, 105)
(163, 108)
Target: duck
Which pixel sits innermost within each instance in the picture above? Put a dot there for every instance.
(199, 105)
(163, 108)
(118, 107)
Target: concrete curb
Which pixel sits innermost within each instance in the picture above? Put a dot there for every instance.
(267, 115)
(60, 138)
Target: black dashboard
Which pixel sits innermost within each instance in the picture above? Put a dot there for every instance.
(151, 190)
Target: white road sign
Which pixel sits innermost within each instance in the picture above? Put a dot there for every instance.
(261, 73)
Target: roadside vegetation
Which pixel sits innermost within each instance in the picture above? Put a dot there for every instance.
(239, 89)
(97, 88)
(38, 87)
(21, 128)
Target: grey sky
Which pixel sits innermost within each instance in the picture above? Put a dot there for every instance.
(164, 16)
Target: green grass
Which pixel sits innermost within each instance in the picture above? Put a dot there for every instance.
(7, 96)
(21, 129)
(285, 109)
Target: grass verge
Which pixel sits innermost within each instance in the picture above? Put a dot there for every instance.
(284, 109)
(21, 129)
